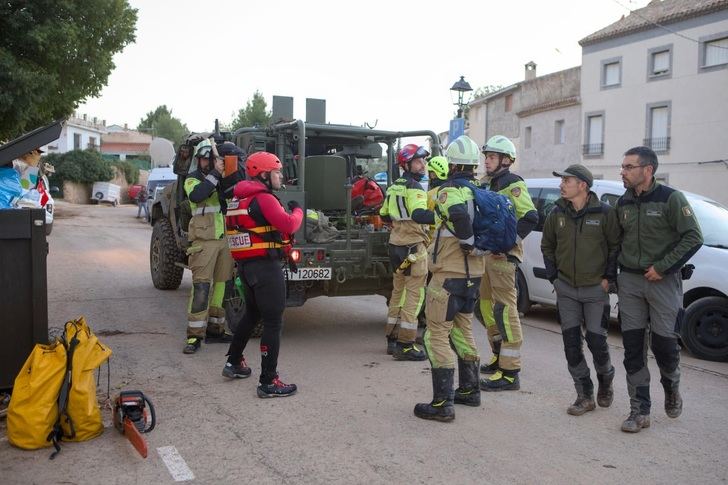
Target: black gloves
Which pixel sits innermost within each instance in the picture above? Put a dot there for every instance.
(292, 204)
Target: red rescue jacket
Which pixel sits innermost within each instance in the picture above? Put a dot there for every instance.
(257, 225)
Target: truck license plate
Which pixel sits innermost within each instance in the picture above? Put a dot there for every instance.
(307, 274)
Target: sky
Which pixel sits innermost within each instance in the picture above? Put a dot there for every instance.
(386, 62)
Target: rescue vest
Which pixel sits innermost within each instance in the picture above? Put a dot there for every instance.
(249, 238)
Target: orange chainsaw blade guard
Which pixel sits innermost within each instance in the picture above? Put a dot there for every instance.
(135, 437)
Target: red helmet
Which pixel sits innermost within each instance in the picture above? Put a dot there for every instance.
(409, 152)
(260, 162)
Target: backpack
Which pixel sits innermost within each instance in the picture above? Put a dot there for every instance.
(494, 224)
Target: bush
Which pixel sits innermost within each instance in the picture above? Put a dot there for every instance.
(130, 170)
(82, 166)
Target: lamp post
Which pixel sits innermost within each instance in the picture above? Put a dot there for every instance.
(460, 88)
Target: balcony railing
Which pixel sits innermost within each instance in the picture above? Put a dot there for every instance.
(593, 149)
(658, 144)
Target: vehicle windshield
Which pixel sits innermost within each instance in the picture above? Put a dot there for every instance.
(713, 219)
(153, 184)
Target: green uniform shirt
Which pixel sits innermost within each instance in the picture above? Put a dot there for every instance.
(581, 247)
(659, 229)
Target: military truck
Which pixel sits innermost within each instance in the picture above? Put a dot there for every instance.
(320, 161)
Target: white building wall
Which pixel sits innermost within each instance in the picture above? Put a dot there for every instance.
(698, 101)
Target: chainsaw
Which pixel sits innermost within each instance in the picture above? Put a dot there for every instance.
(133, 416)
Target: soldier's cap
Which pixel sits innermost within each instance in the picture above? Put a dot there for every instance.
(579, 171)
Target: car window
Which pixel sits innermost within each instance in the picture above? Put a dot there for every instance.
(547, 199)
(610, 199)
(713, 220)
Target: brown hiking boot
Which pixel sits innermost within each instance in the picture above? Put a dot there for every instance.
(673, 404)
(582, 405)
(635, 422)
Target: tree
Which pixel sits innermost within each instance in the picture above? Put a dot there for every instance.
(160, 122)
(254, 113)
(54, 54)
(83, 166)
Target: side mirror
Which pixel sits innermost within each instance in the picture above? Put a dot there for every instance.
(55, 190)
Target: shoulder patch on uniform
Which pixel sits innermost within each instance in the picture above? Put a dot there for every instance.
(516, 191)
(686, 211)
(442, 197)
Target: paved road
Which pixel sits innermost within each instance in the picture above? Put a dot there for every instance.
(352, 420)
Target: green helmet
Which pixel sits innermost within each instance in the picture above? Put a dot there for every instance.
(203, 149)
(463, 151)
(501, 144)
(439, 166)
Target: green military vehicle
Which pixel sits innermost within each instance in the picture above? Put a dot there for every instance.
(320, 163)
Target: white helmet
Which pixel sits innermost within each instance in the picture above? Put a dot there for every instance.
(463, 151)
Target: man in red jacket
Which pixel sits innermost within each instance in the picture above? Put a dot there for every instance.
(259, 234)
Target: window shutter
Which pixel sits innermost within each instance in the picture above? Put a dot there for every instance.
(611, 74)
(716, 52)
(659, 123)
(660, 62)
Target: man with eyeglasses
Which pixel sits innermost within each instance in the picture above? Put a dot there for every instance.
(209, 257)
(660, 234)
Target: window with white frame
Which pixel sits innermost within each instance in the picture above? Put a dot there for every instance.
(559, 135)
(76, 141)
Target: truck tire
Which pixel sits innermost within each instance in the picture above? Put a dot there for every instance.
(705, 328)
(163, 254)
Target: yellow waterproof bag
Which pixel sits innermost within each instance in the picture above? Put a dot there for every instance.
(33, 409)
(82, 409)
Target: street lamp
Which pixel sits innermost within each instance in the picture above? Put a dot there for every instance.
(460, 88)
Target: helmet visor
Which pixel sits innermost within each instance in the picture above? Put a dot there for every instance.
(421, 153)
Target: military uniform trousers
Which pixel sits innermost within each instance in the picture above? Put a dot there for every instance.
(449, 310)
(211, 265)
(587, 305)
(650, 312)
(499, 310)
(408, 292)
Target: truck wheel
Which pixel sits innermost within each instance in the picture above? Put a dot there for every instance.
(163, 254)
(705, 328)
(524, 299)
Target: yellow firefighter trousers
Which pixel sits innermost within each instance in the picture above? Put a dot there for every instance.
(442, 329)
(499, 307)
(408, 295)
(211, 265)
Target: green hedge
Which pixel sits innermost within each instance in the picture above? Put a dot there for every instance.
(82, 166)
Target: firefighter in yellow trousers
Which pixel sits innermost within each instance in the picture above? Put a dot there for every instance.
(498, 294)
(453, 290)
(406, 208)
(209, 257)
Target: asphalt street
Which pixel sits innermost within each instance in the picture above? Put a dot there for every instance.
(352, 420)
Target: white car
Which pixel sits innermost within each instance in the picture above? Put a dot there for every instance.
(705, 295)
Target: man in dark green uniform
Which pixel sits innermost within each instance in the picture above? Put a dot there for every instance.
(580, 244)
(660, 234)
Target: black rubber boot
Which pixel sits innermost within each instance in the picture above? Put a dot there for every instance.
(441, 408)
(605, 392)
(468, 392)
